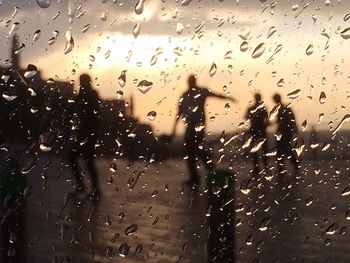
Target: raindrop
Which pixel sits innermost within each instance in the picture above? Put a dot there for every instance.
(346, 191)
(294, 94)
(107, 54)
(228, 55)
(9, 97)
(154, 59)
(85, 28)
(144, 86)
(272, 31)
(138, 249)
(136, 30)
(280, 83)
(185, 2)
(178, 51)
(345, 33)
(309, 200)
(345, 119)
(309, 50)
(139, 7)
(31, 71)
(332, 229)
(152, 115)
(346, 17)
(45, 148)
(122, 78)
(258, 51)
(244, 46)
(131, 229)
(244, 33)
(36, 35)
(323, 97)
(264, 224)
(124, 250)
(14, 28)
(212, 70)
(103, 16)
(179, 28)
(69, 43)
(295, 7)
(20, 49)
(44, 3)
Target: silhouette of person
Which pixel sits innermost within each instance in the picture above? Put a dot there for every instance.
(286, 132)
(86, 108)
(192, 109)
(258, 116)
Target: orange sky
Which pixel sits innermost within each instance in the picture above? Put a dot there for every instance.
(210, 31)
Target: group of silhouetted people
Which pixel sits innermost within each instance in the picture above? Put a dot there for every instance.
(191, 109)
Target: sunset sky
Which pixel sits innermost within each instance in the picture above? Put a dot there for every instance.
(210, 30)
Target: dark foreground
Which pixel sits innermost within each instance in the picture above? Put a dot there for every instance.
(146, 208)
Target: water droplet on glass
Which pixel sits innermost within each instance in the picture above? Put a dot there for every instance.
(244, 33)
(124, 250)
(228, 55)
(178, 51)
(9, 97)
(69, 43)
(295, 7)
(107, 54)
(179, 28)
(136, 30)
(212, 70)
(346, 17)
(280, 83)
(272, 31)
(345, 33)
(44, 3)
(20, 49)
(103, 16)
(14, 28)
(139, 7)
(346, 191)
(309, 49)
(244, 46)
(131, 229)
(154, 59)
(144, 86)
(36, 35)
(44, 148)
(309, 200)
(31, 71)
(345, 119)
(152, 115)
(122, 78)
(332, 229)
(264, 224)
(259, 50)
(85, 28)
(294, 94)
(323, 97)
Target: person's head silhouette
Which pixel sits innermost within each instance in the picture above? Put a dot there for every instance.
(85, 82)
(257, 97)
(192, 81)
(277, 98)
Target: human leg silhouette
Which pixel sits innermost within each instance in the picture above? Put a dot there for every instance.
(192, 152)
(73, 162)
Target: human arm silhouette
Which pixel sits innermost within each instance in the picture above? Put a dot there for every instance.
(219, 96)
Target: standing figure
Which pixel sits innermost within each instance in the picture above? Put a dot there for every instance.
(192, 110)
(85, 107)
(258, 117)
(287, 130)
